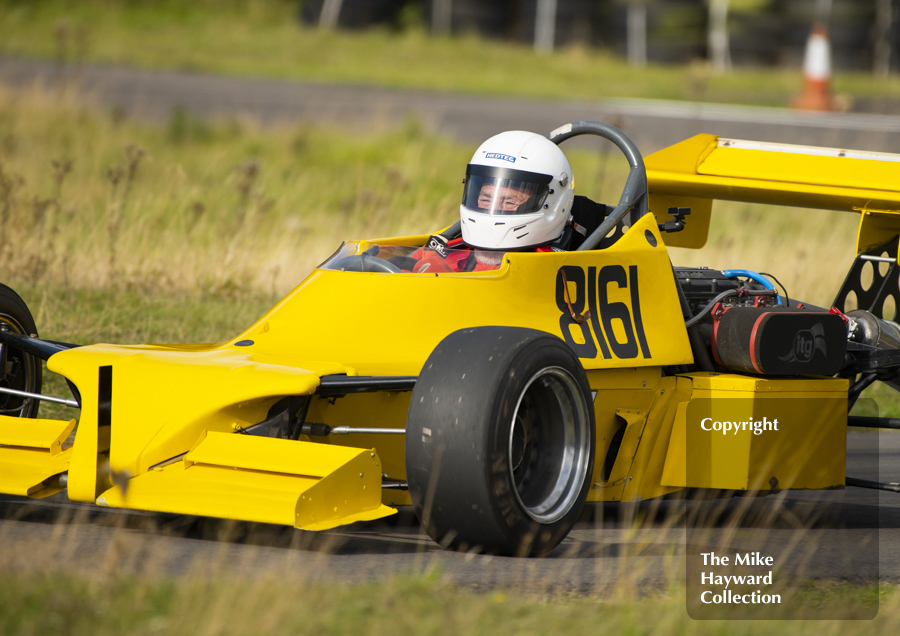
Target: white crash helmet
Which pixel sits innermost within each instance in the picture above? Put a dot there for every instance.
(518, 193)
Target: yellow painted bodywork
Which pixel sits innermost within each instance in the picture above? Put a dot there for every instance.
(33, 454)
(166, 398)
(664, 449)
(705, 167)
(808, 451)
(388, 324)
(175, 412)
(647, 414)
(308, 486)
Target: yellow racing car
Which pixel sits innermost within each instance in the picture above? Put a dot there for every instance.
(495, 401)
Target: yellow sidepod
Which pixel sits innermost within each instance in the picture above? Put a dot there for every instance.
(719, 431)
(748, 433)
(634, 414)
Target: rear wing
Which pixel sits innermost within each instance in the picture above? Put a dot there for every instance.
(696, 171)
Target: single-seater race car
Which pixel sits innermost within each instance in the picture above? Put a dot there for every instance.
(495, 401)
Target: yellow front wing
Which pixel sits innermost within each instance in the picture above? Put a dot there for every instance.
(32, 455)
(303, 484)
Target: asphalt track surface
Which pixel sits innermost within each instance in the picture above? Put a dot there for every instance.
(847, 534)
(652, 124)
(851, 534)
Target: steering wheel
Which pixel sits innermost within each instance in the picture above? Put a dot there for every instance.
(365, 263)
(634, 195)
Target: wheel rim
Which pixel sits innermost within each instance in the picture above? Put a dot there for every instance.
(549, 445)
(17, 371)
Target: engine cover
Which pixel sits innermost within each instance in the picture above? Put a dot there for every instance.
(779, 341)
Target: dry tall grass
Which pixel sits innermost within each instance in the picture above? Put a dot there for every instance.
(96, 576)
(89, 201)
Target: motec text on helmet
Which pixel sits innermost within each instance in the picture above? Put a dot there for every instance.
(518, 193)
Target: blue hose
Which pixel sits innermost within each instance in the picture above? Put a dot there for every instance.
(759, 278)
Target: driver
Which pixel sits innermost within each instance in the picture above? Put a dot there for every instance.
(518, 195)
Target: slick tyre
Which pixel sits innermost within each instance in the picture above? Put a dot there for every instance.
(18, 370)
(500, 441)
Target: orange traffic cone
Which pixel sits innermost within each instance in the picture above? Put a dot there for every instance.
(816, 93)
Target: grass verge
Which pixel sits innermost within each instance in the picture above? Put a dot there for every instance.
(421, 604)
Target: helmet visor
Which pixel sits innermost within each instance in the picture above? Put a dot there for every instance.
(504, 191)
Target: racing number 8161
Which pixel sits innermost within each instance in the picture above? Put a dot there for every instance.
(591, 304)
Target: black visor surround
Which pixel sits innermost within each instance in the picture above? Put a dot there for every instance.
(492, 190)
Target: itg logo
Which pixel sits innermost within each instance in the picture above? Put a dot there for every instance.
(806, 343)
